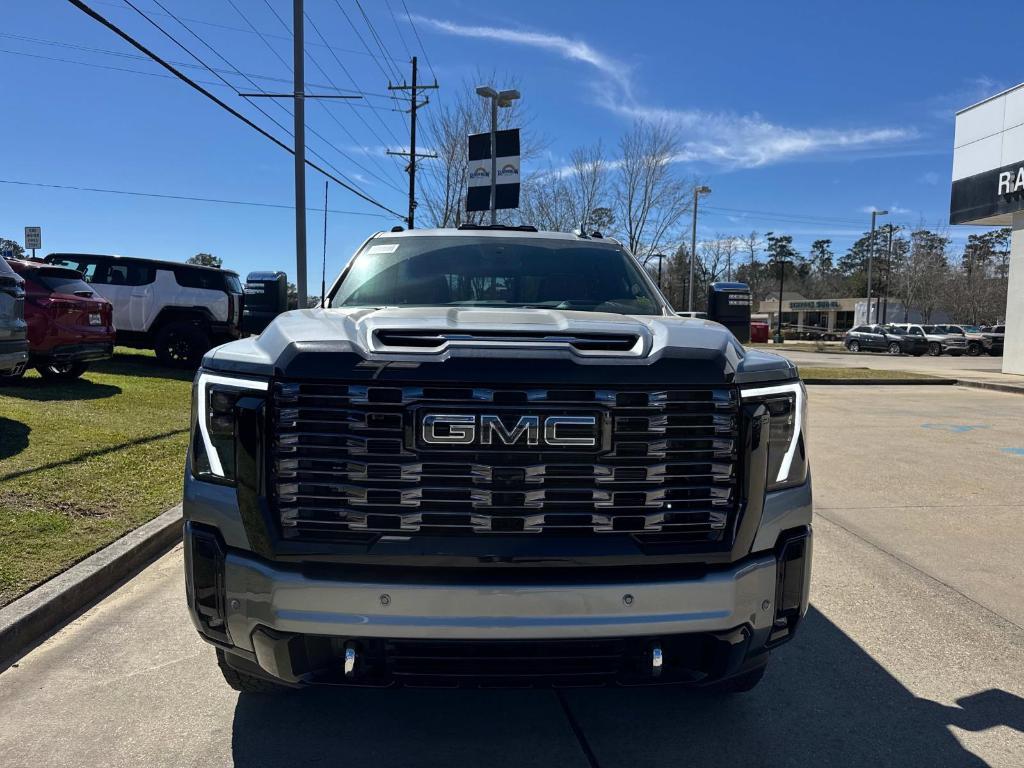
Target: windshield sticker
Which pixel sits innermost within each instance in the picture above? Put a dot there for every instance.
(383, 248)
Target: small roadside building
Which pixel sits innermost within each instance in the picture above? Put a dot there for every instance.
(839, 314)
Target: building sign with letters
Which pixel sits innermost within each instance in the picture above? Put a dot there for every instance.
(796, 306)
(986, 194)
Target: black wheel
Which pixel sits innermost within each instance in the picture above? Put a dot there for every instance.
(974, 349)
(853, 346)
(246, 683)
(739, 684)
(894, 348)
(934, 348)
(181, 345)
(61, 371)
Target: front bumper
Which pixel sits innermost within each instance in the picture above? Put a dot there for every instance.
(275, 618)
(13, 356)
(78, 353)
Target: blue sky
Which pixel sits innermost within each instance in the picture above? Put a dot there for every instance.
(800, 116)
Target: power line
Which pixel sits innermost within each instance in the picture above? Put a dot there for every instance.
(167, 196)
(773, 214)
(355, 85)
(330, 114)
(262, 37)
(111, 67)
(247, 99)
(398, 29)
(419, 40)
(378, 40)
(363, 41)
(137, 57)
(120, 7)
(186, 79)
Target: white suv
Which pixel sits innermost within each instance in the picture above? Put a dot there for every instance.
(179, 310)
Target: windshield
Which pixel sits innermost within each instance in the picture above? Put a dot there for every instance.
(971, 328)
(495, 272)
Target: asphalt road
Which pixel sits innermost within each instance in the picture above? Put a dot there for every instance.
(912, 653)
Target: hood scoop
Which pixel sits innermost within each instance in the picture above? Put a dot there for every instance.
(434, 341)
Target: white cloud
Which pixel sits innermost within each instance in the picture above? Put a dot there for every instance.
(721, 138)
(575, 50)
(893, 210)
(931, 178)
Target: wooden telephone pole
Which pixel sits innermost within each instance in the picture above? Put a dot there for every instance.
(411, 154)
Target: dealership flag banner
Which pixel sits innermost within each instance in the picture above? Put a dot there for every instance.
(506, 192)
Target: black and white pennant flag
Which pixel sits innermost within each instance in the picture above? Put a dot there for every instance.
(506, 193)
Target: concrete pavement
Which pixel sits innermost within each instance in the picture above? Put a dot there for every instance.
(912, 653)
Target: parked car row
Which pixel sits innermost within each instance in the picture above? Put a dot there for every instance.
(65, 311)
(918, 339)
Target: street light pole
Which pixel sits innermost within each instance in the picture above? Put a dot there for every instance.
(697, 192)
(498, 99)
(871, 256)
(782, 281)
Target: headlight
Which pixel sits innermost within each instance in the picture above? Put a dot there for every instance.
(214, 423)
(787, 449)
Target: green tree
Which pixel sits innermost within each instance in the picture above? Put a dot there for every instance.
(205, 260)
(11, 246)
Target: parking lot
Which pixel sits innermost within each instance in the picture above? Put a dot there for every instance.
(912, 652)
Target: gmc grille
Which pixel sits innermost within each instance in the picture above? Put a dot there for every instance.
(347, 463)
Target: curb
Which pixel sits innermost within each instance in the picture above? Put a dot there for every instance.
(1013, 389)
(35, 615)
(934, 381)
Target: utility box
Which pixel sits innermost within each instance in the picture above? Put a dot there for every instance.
(266, 297)
(729, 304)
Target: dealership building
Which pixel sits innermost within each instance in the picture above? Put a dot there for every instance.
(837, 315)
(988, 190)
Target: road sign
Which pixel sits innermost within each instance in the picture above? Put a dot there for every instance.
(33, 238)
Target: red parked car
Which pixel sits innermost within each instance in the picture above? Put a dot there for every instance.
(69, 325)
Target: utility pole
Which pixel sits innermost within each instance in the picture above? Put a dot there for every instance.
(871, 256)
(411, 154)
(298, 62)
(888, 278)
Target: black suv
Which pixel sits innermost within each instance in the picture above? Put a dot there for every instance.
(881, 338)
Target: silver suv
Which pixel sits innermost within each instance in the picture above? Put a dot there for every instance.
(941, 341)
(13, 330)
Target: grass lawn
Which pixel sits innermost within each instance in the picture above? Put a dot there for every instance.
(838, 373)
(83, 463)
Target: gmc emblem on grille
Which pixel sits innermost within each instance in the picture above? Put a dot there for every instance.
(489, 429)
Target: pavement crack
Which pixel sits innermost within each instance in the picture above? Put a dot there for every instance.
(577, 731)
(916, 569)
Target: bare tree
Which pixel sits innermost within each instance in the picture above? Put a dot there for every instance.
(449, 121)
(547, 202)
(650, 198)
(588, 184)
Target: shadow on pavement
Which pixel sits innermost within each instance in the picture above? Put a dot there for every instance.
(824, 701)
(13, 437)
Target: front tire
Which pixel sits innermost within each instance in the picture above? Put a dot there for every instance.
(894, 348)
(61, 371)
(246, 683)
(181, 345)
(973, 349)
(853, 346)
(934, 349)
(10, 379)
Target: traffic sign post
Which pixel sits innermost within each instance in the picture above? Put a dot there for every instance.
(33, 239)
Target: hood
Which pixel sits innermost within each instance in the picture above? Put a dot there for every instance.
(404, 338)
